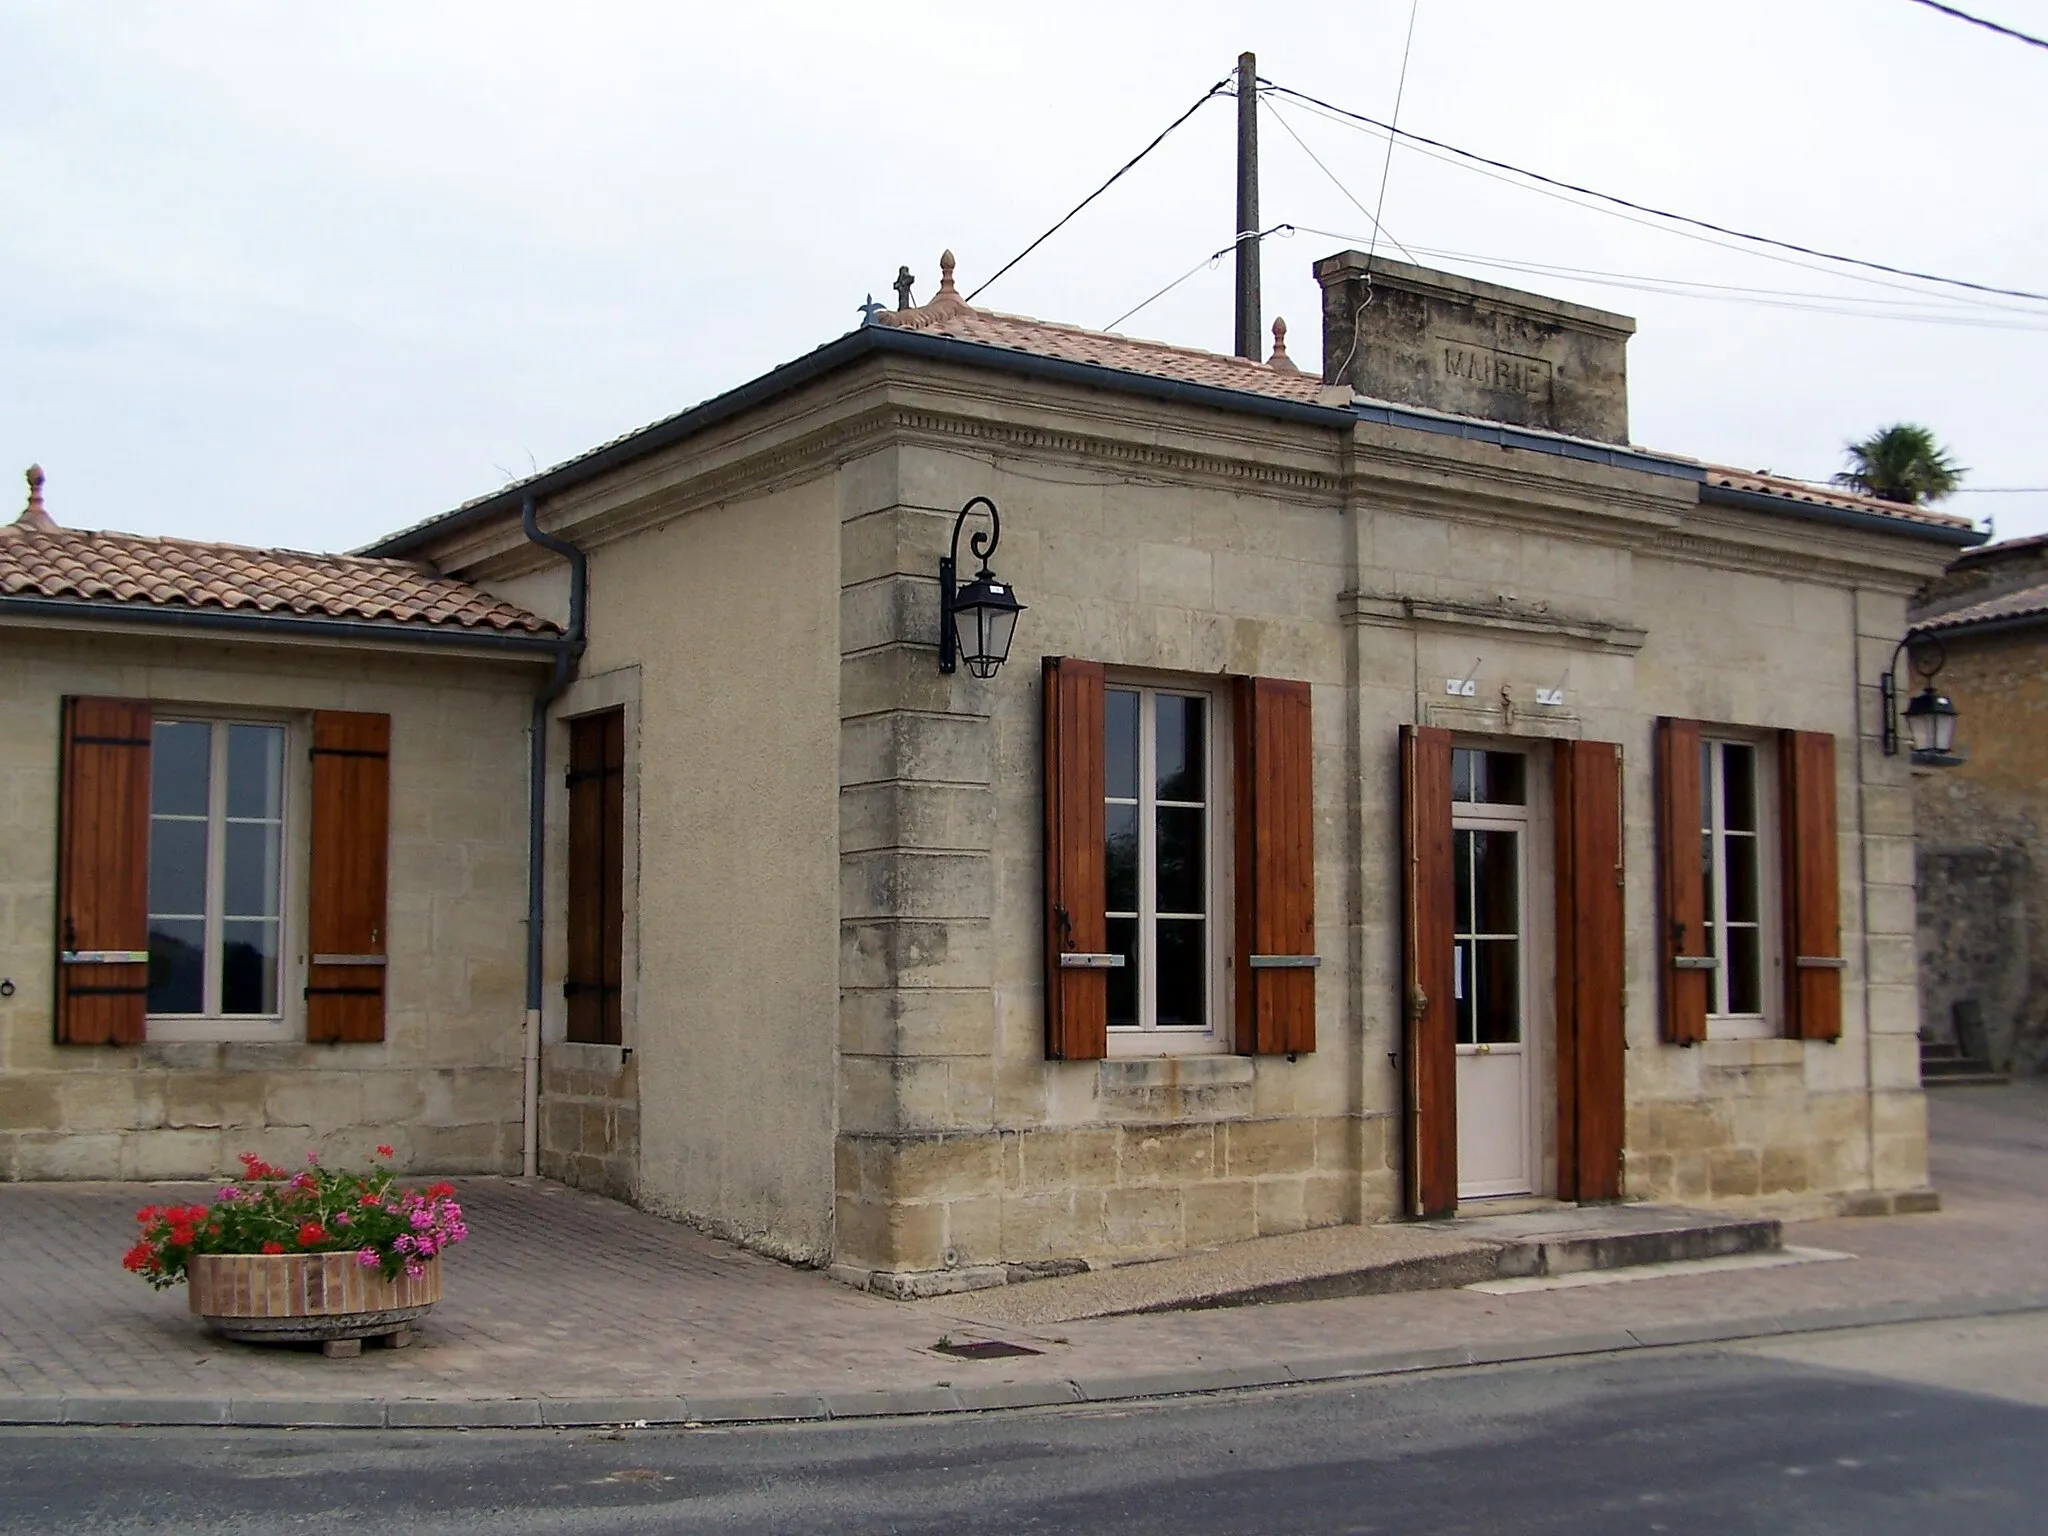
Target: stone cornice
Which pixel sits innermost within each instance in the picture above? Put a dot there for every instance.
(1536, 620)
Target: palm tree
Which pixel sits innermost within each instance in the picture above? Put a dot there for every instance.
(1901, 463)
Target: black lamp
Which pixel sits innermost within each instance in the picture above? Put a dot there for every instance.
(1930, 717)
(977, 621)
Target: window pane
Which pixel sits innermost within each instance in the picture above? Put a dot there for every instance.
(1499, 778)
(1742, 879)
(248, 967)
(1123, 983)
(1738, 787)
(177, 868)
(180, 759)
(1463, 770)
(1497, 1010)
(177, 966)
(1745, 970)
(1496, 894)
(1120, 862)
(1179, 751)
(1707, 786)
(1183, 974)
(255, 770)
(250, 869)
(1461, 880)
(1461, 990)
(1183, 882)
(1120, 740)
(1713, 913)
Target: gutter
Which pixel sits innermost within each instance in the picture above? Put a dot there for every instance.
(1840, 517)
(568, 653)
(236, 621)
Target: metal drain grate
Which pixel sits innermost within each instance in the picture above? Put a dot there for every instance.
(985, 1349)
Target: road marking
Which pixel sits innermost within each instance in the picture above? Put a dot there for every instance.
(1676, 1267)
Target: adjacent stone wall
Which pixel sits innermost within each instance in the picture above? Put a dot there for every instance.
(1983, 889)
(442, 1088)
(590, 1118)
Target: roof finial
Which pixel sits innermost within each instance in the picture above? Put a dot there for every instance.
(946, 274)
(1280, 361)
(904, 283)
(35, 515)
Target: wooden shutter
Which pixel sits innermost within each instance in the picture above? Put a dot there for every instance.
(597, 838)
(1430, 1046)
(1076, 895)
(1276, 868)
(345, 977)
(1811, 879)
(103, 873)
(1590, 971)
(1687, 968)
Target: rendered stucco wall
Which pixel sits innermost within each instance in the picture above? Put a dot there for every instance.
(442, 1088)
(726, 613)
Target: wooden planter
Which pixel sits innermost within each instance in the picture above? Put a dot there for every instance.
(306, 1298)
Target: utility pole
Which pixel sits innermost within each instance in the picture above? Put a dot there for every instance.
(1250, 320)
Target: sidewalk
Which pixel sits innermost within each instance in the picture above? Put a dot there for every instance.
(566, 1308)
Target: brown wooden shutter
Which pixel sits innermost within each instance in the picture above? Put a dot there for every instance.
(1076, 895)
(1591, 976)
(597, 837)
(1687, 968)
(103, 873)
(1811, 878)
(1276, 868)
(345, 976)
(1430, 1046)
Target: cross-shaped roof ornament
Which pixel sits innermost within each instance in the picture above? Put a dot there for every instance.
(904, 283)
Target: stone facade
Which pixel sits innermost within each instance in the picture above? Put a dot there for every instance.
(442, 1088)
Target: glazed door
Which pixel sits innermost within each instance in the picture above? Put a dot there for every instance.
(1491, 991)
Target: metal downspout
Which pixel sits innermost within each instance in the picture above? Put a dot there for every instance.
(566, 660)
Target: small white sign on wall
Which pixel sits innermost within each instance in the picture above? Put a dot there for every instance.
(1461, 687)
(1550, 698)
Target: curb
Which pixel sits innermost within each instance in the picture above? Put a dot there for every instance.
(841, 1405)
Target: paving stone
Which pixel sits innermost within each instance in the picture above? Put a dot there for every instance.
(31, 1410)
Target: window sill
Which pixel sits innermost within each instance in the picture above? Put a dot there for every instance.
(185, 1031)
(585, 1056)
(1210, 1069)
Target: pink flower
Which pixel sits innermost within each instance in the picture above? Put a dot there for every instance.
(415, 1270)
(367, 1257)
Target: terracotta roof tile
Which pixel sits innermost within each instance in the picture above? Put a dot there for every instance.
(2024, 603)
(40, 560)
(1830, 496)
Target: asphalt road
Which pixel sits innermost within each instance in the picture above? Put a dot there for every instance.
(1930, 1427)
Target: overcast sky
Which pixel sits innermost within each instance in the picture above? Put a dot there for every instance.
(299, 275)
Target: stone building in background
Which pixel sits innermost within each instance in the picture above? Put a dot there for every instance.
(1403, 794)
(1983, 826)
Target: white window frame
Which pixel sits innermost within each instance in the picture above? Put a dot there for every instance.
(1147, 1037)
(288, 1022)
(1764, 1023)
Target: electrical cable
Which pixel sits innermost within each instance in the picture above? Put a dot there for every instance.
(1207, 261)
(1281, 118)
(1659, 213)
(1221, 87)
(1387, 165)
(1979, 21)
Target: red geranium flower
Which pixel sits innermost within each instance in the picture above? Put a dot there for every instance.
(273, 1247)
(312, 1232)
(385, 1152)
(136, 1258)
(440, 1191)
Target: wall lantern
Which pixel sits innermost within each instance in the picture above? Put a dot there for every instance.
(976, 621)
(1930, 717)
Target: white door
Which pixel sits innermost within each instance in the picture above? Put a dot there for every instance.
(1496, 1151)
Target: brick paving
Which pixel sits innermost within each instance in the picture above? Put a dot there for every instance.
(562, 1295)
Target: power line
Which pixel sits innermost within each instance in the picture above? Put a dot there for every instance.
(1219, 88)
(1207, 261)
(1644, 208)
(1387, 165)
(1979, 21)
(1281, 118)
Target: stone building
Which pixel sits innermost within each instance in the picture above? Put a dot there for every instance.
(1983, 825)
(1402, 793)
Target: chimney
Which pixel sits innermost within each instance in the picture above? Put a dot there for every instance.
(1412, 336)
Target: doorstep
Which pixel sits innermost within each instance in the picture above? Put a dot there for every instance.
(1569, 1239)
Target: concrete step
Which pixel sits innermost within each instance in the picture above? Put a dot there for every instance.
(1570, 1239)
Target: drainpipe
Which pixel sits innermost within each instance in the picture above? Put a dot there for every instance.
(566, 658)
